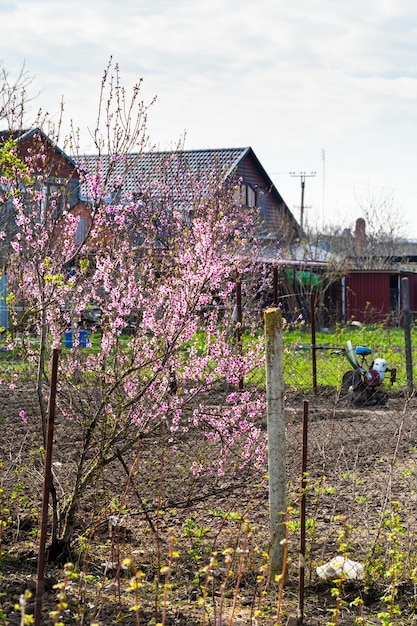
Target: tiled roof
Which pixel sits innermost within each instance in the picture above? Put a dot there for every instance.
(136, 167)
(15, 134)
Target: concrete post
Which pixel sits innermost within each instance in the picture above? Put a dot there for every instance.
(274, 348)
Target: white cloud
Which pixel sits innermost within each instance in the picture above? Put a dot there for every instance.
(287, 78)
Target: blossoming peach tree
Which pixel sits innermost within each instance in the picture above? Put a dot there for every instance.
(163, 366)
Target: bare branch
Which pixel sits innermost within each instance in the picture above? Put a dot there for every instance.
(13, 96)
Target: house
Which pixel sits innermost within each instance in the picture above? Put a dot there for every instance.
(277, 225)
(138, 175)
(63, 182)
(54, 173)
(47, 180)
(59, 178)
(48, 163)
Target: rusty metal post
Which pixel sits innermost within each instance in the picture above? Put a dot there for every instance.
(275, 279)
(407, 335)
(46, 489)
(239, 323)
(313, 340)
(301, 585)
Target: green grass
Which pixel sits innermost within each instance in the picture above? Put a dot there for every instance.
(13, 368)
(331, 363)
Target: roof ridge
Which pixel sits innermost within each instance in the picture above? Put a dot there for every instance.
(173, 151)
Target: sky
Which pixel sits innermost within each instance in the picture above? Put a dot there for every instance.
(321, 87)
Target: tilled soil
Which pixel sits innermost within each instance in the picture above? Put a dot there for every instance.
(149, 505)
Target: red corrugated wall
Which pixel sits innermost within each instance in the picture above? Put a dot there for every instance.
(412, 289)
(368, 297)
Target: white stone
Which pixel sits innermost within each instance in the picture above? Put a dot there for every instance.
(341, 567)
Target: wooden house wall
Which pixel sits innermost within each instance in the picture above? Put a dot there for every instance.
(48, 160)
(274, 213)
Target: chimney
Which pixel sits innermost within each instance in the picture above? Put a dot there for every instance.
(360, 237)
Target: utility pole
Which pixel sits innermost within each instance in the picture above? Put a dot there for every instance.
(302, 176)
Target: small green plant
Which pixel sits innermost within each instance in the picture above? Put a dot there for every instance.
(5, 520)
(337, 588)
(358, 602)
(135, 585)
(25, 618)
(396, 560)
(389, 562)
(70, 574)
(197, 535)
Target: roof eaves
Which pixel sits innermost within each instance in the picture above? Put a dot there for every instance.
(27, 134)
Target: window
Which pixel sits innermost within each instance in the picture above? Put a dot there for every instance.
(81, 232)
(247, 195)
(53, 199)
(262, 203)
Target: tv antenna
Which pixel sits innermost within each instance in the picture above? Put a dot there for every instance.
(302, 176)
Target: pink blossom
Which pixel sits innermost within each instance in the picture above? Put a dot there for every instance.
(171, 267)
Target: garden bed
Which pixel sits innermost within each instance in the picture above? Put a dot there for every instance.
(151, 517)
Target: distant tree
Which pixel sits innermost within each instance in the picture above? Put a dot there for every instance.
(372, 241)
(14, 99)
(14, 96)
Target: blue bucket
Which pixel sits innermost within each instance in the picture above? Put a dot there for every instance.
(83, 338)
(68, 339)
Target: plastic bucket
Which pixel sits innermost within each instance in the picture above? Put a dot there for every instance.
(83, 338)
(68, 339)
